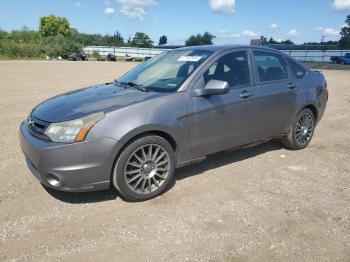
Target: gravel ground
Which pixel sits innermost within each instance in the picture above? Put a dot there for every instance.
(260, 204)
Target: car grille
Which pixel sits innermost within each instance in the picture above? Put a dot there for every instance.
(37, 127)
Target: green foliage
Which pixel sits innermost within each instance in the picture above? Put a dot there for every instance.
(205, 39)
(27, 43)
(23, 43)
(59, 45)
(97, 39)
(3, 34)
(96, 55)
(55, 38)
(274, 42)
(345, 34)
(163, 40)
(53, 25)
(141, 40)
(263, 39)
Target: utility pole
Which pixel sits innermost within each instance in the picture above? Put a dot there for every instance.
(114, 40)
(323, 47)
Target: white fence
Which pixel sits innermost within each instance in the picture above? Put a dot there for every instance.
(124, 51)
(141, 53)
(315, 55)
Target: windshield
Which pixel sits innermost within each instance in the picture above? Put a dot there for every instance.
(167, 71)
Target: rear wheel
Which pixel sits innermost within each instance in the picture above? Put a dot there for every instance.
(342, 62)
(144, 169)
(302, 130)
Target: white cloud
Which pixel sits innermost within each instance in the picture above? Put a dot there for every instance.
(246, 33)
(78, 4)
(222, 6)
(293, 33)
(331, 32)
(106, 2)
(134, 12)
(222, 32)
(249, 33)
(135, 9)
(319, 29)
(327, 31)
(274, 26)
(341, 5)
(109, 11)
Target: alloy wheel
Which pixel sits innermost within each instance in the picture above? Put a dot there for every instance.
(147, 169)
(304, 129)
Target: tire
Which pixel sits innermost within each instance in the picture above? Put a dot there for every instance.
(301, 131)
(144, 169)
(342, 63)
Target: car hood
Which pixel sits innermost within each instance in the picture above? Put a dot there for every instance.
(80, 103)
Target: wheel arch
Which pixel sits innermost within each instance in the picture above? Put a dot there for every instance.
(158, 130)
(136, 134)
(313, 109)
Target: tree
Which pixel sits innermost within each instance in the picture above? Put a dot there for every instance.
(59, 45)
(3, 34)
(272, 41)
(53, 25)
(283, 42)
(118, 39)
(263, 39)
(163, 40)
(345, 34)
(205, 39)
(141, 40)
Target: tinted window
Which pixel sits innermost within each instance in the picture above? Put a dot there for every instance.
(297, 69)
(232, 68)
(271, 67)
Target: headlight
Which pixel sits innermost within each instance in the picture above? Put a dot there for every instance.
(73, 130)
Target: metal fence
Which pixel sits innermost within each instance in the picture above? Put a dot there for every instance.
(124, 51)
(141, 53)
(315, 55)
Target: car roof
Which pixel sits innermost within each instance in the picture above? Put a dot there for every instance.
(220, 48)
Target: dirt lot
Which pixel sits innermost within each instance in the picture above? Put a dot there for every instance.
(261, 204)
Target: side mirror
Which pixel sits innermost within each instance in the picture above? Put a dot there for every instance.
(213, 87)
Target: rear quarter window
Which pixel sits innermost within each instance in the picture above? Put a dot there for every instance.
(298, 70)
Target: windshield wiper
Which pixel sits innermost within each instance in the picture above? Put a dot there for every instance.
(132, 84)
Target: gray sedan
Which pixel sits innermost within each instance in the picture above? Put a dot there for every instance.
(170, 111)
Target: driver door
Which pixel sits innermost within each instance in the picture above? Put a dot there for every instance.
(220, 122)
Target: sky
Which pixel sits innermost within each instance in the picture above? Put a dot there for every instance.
(231, 21)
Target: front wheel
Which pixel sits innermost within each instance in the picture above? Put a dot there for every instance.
(144, 169)
(302, 130)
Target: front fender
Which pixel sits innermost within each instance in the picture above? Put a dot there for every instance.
(167, 114)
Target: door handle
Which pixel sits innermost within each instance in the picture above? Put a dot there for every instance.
(245, 95)
(292, 86)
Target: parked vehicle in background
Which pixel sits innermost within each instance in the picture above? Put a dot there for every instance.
(128, 58)
(344, 60)
(77, 57)
(111, 58)
(170, 111)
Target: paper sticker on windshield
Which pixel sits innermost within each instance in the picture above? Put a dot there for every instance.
(189, 58)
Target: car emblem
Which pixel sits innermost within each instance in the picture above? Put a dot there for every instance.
(30, 122)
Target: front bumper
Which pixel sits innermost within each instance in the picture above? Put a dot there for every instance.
(76, 167)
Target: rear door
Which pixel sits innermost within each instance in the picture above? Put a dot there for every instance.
(278, 93)
(220, 122)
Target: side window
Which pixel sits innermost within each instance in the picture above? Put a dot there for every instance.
(297, 69)
(232, 68)
(271, 67)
